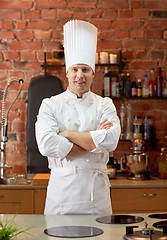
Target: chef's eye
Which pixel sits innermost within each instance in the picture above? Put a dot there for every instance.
(85, 70)
(74, 69)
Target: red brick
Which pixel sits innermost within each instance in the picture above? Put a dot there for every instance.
(6, 25)
(109, 44)
(110, 13)
(41, 24)
(64, 14)
(165, 35)
(138, 64)
(101, 23)
(21, 24)
(24, 35)
(27, 65)
(94, 13)
(121, 34)
(31, 14)
(141, 13)
(79, 14)
(112, 4)
(140, 53)
(126, 23)
(135, 4)
(47, 4)
(3, 74)
(16, 4)
(17, 74)
(155, 4)
(6, 35)
(42, 34)
(127, 54)
(1, 56)
(48, 14)
(50, 45)
(106, 34)
(156, 23)
(11, 55)
(28, 55)
(125, 13)
(160, 44)
(57, 34)
(137, 43)
(82, 4)
(5, 65)
(22, 45)
(154, 34)
(137, 34)
(10, 14)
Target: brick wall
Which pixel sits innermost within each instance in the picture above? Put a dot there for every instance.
(30, 27)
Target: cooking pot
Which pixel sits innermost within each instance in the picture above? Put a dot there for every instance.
(136, 163)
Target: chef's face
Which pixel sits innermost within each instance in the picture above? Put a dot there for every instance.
(80, 77)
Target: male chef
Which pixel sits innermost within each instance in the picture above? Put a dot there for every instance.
(76, 130)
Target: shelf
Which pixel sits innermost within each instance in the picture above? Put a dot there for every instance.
(119, 64)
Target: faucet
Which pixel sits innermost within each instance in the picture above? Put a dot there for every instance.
(4, 124)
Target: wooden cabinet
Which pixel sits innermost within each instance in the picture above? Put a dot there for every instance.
(133, 200)
(39, 200)
(13, 201)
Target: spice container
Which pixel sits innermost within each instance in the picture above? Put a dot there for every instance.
(162, 164)
(137, 127)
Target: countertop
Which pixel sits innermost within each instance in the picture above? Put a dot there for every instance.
(38, 223)
(118, 182)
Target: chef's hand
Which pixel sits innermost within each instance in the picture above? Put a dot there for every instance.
(105, 125)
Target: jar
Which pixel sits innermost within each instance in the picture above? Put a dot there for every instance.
(162, 164)
(137, 127)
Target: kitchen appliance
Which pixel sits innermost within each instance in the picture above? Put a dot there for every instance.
(73, 231)
(145, 233)
(136, 164)
(119, 219)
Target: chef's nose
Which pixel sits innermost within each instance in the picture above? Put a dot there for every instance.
(79, 73)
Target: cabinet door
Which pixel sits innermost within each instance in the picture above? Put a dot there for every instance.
(139, 200)
(16, 201)
(39, 200)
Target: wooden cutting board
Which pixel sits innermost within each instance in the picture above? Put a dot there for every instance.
(41, 179)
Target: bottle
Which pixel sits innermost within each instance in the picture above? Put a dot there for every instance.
(129, 123)
(127, 88)
(145, 88)
(123, 120)
(113, 86)
(107, 83)
(162, 164)
(165, 88)
(137, 127)
(134, 88)
(118, 89)
(147, 128)
(122, 83)
(139, 88)
(152, 84)
(159, 80)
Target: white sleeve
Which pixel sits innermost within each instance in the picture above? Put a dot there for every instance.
(107, 140)
(46, 128)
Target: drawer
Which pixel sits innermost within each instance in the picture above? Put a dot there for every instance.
(10, 196)
(139, 200)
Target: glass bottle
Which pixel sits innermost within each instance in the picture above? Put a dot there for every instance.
(129, 122)
(162, 164)
(139, 88)
(147, 128)
(113, 86)
(134, 88)
(127, 92)
(137, 127)
(152, 84)
(145, 88)
(107, 83)
(165, 88)
(122, 83)
(159, 80)
(123, 120)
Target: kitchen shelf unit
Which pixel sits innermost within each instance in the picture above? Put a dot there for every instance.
(120, 64)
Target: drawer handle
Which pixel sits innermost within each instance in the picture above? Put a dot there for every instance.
(2, 196)
(148, 194)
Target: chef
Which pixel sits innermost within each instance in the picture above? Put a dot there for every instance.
(76, 130)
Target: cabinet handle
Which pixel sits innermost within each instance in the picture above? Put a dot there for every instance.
(148, 194)
(2, 196)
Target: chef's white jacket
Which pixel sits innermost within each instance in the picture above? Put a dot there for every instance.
(77, 185)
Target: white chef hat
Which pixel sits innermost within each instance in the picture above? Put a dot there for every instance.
(80, 42)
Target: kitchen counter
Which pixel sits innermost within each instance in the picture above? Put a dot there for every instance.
(38, 223)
